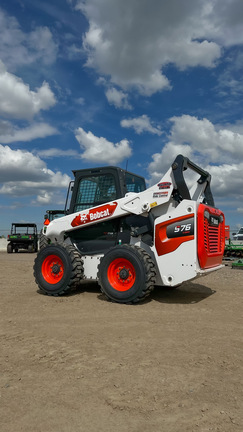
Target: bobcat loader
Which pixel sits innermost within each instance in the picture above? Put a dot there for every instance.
(129, 238)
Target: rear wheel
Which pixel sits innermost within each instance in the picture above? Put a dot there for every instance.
(9, 248)
(126, 274)
(58, 269)
(43, 240)
(30, 248)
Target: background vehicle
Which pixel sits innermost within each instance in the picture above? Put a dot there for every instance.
(239, 235)
(129, 238)
(53, 214)
(49, 216)
(233, 248)
(23, 236)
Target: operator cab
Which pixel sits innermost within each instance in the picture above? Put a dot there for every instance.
(97, 186)
(93, 187)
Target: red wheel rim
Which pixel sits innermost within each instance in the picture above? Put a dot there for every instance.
(52, 269)
(121, 274)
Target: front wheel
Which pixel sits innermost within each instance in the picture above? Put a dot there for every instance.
(58, 269)
(126, 274)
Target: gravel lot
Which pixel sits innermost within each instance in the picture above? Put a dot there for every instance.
(81, 364)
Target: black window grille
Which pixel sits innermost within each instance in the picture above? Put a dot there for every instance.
(134, 183)
(95, 190)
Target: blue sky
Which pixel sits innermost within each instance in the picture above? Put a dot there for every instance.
(111, 82)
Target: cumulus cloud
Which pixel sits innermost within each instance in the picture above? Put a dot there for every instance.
(117, 98)
(20, 165)
(227, 180)
(216, 149)
(18, 48)
(141, 124)
(18, 101)
(100, 150)
(9, 133)
(131, 42)
(23, 174)
(230, 80)
(56, 152)
(216, 144)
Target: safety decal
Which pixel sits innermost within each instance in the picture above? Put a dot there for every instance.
(164, 185)
(160, 194)
(95, 214)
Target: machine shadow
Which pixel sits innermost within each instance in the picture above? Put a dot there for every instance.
(187, 293)
(85, 286)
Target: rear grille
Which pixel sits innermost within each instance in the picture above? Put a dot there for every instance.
(210, 231)
(212, 237)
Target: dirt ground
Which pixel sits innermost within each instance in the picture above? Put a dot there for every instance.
(81, 364)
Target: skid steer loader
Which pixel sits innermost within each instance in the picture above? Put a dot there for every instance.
(129, 238)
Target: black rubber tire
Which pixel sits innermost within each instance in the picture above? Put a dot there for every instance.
(30, 248)
(144, 274)
(9, 248)
(72, 266)
(43, 242)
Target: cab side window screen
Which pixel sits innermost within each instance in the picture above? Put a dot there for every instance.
(134, 183)
(95, 190)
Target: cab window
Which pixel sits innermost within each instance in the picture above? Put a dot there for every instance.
(134, 183)
(95, 190)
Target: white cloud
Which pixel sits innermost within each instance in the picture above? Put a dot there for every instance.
(44, 198)
(230, 80)
(162, 161)
(117, 98)
(18, 101)
(20, 165)
(215, 144)
(40, 42)
(10, 134)
(23, 174)
(18, 48)
(141, 124)
(132, 42)
(216, 149)
(227, 180)
(80, 101)
(55, 152)
(100, 150)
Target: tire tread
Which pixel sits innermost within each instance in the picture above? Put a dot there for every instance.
(149, 270)
(76, 270)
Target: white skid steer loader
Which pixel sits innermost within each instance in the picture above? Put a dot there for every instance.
(129, 238)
